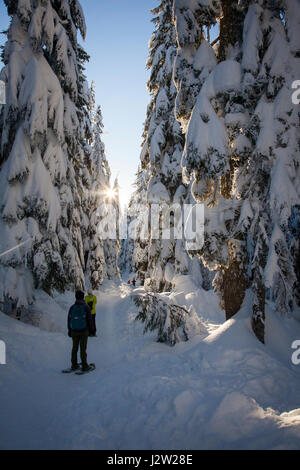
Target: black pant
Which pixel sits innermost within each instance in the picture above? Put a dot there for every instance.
(79, 338)
(94, 329)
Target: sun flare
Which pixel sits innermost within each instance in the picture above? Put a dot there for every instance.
(110, 193)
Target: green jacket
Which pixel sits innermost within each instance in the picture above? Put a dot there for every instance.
(93, 299)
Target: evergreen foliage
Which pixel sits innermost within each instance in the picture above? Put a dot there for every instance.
(242, 148)
(172, 322)
(159, 259)
(48, 157)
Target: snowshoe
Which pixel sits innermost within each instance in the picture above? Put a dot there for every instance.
(86, 371)
(71, 369)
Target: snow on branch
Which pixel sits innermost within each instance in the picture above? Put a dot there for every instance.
(173, 322)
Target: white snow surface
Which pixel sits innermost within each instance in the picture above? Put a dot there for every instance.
(221, 391)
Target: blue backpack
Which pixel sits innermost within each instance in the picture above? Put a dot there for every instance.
(78, 318)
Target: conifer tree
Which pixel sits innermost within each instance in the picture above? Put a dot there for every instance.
(43, 174)
(195, 57)
(201, 85)
(160, 158)
(128, 239)
(111, 243)
(244, 150)
(96, 268)
(267, 182)
(139, 230)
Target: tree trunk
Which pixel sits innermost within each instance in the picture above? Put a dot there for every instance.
(258, 310)
(231, 27)
(235, 281)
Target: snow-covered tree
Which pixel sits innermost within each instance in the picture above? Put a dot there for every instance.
(195, 57)
(44, 175)
(112, 243)
(99, 170)
(126, 256)
(172, 322)
(267, 182)
(202, 87)
(242, 150)
(139, 230)
(162, 257)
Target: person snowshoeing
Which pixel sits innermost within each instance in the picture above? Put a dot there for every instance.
(91, 301)
(79, 326)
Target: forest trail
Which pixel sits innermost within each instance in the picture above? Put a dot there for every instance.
(108, 333)
(115, 342)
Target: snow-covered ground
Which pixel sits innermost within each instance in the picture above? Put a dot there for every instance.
(224, 391)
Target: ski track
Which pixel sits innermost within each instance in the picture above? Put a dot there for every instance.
(144, 395)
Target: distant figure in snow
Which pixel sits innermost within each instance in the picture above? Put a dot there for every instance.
(133, 282)
(128, 283)
(91, 301)
(79, 326)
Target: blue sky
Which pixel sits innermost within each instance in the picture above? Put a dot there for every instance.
(118, 33)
